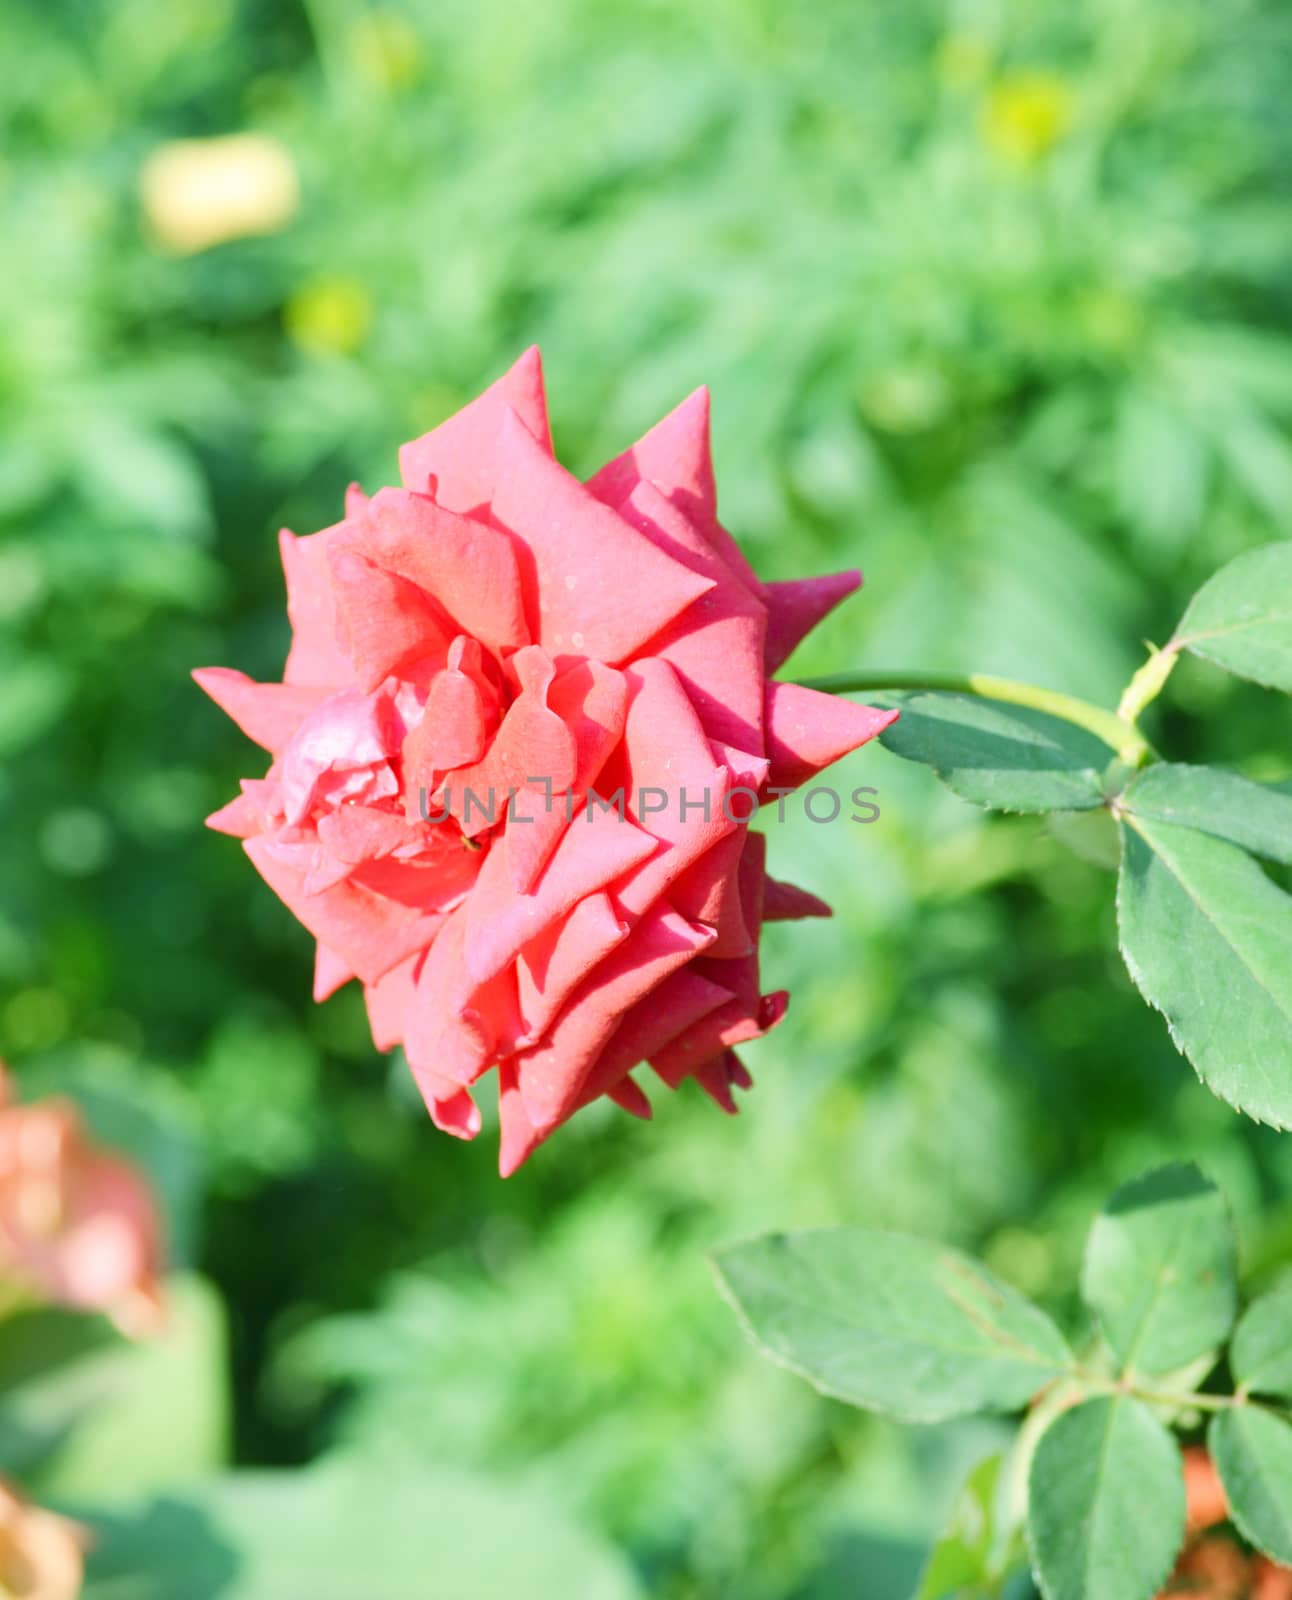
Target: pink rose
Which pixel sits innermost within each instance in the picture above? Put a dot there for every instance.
(481, 662)
(77, 1226)
(40, 1554)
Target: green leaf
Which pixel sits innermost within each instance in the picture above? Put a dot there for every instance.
(1208, 940)
(128, 1419)
(1242, 618)
(39, 1349)
(350, 1528)
(961, 1561)
(1004, 757)
(897, 1324)
(1252, 1449)
(1105, 1514)
(1159, 1270)
(1215, 802)
(1260, 1356)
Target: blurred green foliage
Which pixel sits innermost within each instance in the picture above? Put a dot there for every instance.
(994, 299)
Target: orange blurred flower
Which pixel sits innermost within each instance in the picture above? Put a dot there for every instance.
(78, 1226)
(1204, 1493)
(40, 1554)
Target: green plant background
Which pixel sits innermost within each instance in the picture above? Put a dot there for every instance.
(994, 300)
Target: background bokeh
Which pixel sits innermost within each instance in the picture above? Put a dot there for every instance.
(994, 300)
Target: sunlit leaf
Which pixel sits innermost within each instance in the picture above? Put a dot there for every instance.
(1242, 618)
(890, 1322)
(139, 1416)
(1208, 940)
(1216, 802)
(1252, 1449)
(1159, 1270)
(1260, 1355)
(1105, 1514)
(1005, 757)
(349, 1528)
(960, 1564)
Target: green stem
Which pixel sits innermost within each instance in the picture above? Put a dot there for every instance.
(1148, 682)
(1095, 1383)
(1118, 732)
(1186, 1402)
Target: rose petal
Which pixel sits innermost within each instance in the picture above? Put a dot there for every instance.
(469, 568)
(786, 902)
(716, 645)
(680, 1001)
(591, 701)
(795, 607)
(632, 1098)
(388, 623)
(449, 1039)
(675, 456)
(458, 721)
(807, 731)
(541, 1087)
(672, 787)
(460, 456)
(316, 656)
(532, 741)
(583, 559)
(597, 849)
(330, 972)
(551, 967)
(368, 932)
(268, 713)
(709, 892)
(388, 1001)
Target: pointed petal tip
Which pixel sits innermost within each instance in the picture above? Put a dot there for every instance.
(697, 407)
(808, 729)
(629, 1096)
(796, 605)
(513, 1153)
(786, 902)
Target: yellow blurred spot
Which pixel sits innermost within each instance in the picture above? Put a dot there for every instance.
(35, 1019)
(1110, 320)
(329, 316)
(962, 60)
(1022, 1257)
(200, 192)
(905, 398)
(1026, 114)
(386, 49)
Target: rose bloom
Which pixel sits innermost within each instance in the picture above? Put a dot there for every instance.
(78, 1226)
(481, 662)
(40, 1554)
